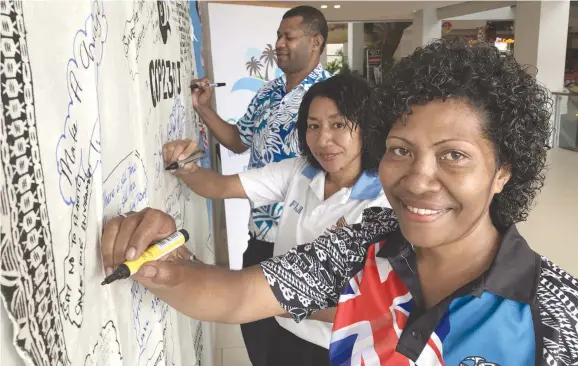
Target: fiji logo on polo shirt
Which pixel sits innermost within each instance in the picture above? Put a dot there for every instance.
(476, 361)
(296, 206)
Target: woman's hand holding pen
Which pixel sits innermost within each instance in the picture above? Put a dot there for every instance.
(179, 150)
(127, 236)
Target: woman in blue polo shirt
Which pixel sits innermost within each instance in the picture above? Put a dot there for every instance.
(443, 279)
(330, 185)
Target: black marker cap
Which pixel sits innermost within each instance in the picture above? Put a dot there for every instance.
(185, 234)
(119, 273)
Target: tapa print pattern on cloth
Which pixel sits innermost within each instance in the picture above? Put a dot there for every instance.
(27, 265)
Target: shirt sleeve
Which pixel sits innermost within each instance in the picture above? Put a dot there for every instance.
(269, 184)
(310, 277)
(246, 124)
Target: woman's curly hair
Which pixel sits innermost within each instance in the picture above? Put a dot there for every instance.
(515, 110)
(351, 95)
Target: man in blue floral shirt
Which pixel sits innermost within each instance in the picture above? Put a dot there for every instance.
(268, 129)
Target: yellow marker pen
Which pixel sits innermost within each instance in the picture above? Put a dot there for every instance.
(154, 252)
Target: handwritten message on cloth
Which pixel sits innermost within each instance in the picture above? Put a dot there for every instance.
(87, 105)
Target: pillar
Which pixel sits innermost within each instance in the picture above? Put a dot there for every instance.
(426, 27)
(540, 36)
(355, 46)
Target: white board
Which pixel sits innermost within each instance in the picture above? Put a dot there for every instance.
(93, 90)
(237, 61)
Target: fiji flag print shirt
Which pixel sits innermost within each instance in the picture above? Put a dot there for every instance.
(523, 311)
(268, 129)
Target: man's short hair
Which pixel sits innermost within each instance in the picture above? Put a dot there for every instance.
(313, 19)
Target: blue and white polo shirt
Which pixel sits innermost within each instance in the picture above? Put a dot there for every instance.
(308, 214)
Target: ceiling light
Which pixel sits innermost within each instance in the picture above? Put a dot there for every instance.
(323, 6)
(337, 6)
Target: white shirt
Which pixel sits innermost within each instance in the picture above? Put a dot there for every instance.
(306, 215)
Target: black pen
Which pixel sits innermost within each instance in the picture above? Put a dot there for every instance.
(196, 156)
(212, 85)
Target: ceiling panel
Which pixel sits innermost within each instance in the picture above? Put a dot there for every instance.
(359, 10)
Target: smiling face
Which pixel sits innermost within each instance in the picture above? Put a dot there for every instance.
(335, 145)
(439, 173)
(295, 47)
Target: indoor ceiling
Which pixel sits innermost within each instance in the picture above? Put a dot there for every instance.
(360, 10)
(384, 10)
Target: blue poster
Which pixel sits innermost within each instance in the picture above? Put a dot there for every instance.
(198, 36)
(203, 138)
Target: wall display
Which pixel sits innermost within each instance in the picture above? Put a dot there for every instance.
(88, 100)
(245, 62)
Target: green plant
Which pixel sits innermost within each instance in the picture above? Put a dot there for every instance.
(345, 69)
(339, 65)
(333, 66)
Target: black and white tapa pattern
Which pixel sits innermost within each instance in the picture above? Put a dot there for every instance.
(27, 270)
(310, 277)
(558, 301)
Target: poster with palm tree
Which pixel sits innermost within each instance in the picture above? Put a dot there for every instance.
(261, 65)
(270, 58)
(254, 67)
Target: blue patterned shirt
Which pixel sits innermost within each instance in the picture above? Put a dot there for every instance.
(268, 129)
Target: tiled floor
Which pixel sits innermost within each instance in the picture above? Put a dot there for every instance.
(230, 348)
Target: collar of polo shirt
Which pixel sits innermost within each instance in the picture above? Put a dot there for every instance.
(514, 275)
(315, 75)
(367, 187)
